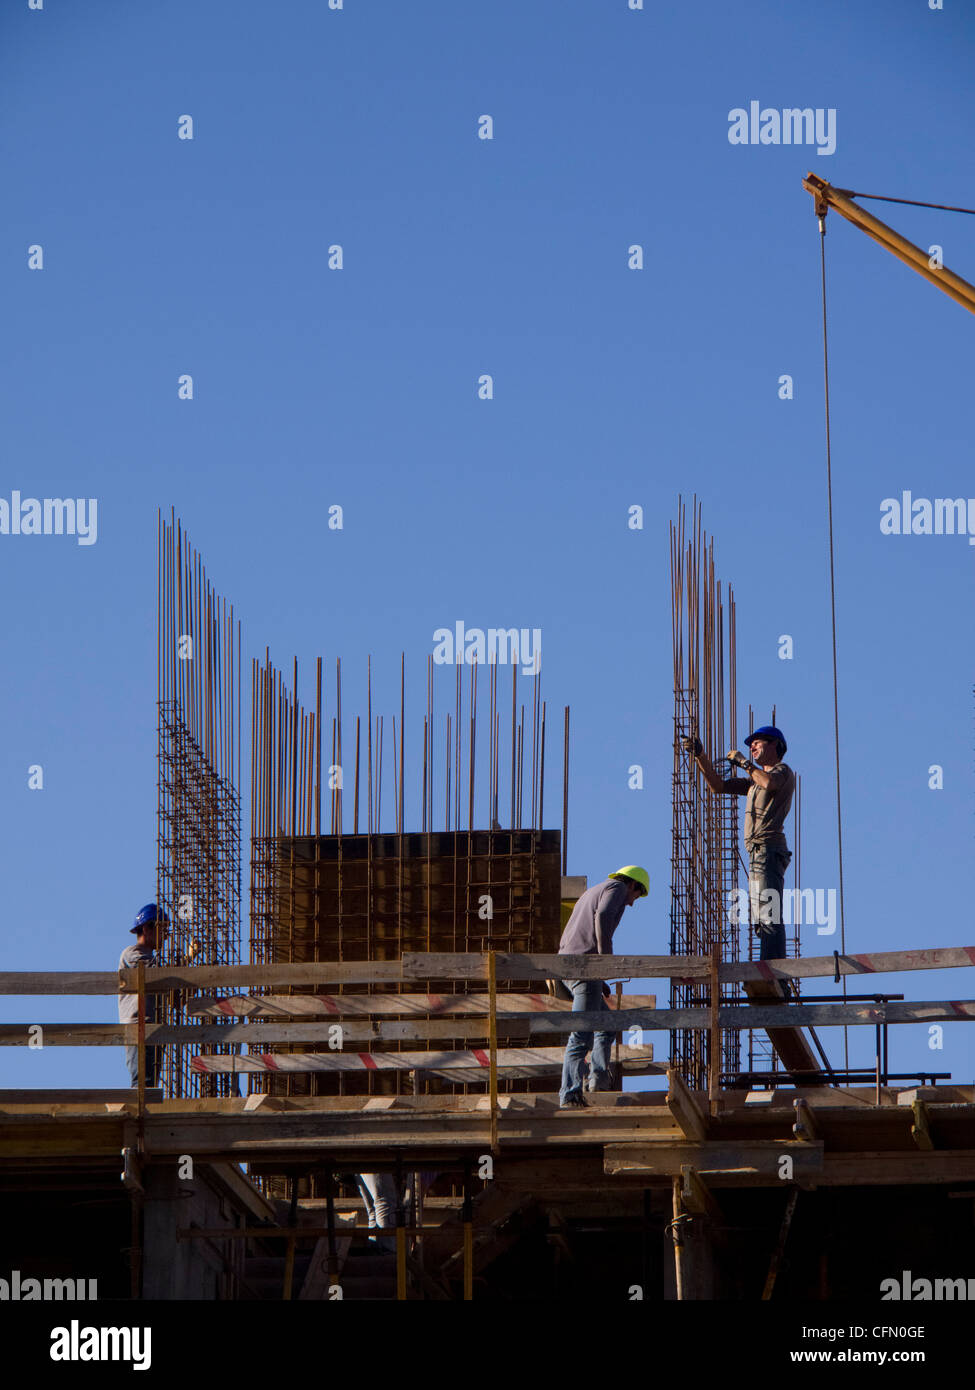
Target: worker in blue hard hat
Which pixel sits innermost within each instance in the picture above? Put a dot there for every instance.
(589, 931)
(150, 931)
(769, 786)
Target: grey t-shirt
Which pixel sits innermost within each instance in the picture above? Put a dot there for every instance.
(603, 902)
(765, 809)
(128, 1004)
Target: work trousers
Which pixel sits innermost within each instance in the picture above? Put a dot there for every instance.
(378, 1192)
(766, 884)
(587, 997)
(153, 1064)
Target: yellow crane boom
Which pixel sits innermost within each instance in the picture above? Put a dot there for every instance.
(827, 196)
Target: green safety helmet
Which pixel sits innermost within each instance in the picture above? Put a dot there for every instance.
(637, 874)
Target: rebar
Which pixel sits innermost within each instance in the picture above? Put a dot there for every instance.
(374, 896)
(704, 860)
(198, 774)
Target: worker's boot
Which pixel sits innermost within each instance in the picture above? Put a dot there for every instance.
(576, 1102)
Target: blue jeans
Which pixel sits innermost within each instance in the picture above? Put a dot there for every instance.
(766, 875)
(587, 997)
(380, 1196)
(153, 1062)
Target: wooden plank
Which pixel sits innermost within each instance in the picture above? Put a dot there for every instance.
(635, 1148)
(874, 962)
(696, 1195)
(302, 1133)
(61, 982)
(160, 978)
(790, 1044)
(242, 1190)
(682, 967)
(73, 1034)
(777, 1254)
(517, 1025)
(840, 1015)
(688, 1116)
(61, 1095)
(316, 1285)
(295, 1032)
(863, 1169)
(512, 1061)
(641, 1107)
(885, 1169)
(491, 1237)
(284, 1006)
(752, 1158)
(462, 1076)
(468, 966)
(384, 1030)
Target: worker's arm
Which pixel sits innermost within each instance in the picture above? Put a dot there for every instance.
(695, 747)
(772, 780)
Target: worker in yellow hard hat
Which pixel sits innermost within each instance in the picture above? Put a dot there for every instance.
(588, 932)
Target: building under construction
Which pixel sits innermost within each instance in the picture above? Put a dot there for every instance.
(400, 1013)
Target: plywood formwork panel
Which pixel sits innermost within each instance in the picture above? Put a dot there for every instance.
(377, 897)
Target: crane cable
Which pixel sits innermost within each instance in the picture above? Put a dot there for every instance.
(821, 211)
(910, 202)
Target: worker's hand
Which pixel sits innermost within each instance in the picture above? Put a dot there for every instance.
(737, 758)
(692, 745)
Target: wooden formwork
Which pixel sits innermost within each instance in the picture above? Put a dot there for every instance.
(737, 1185)
(378, 897)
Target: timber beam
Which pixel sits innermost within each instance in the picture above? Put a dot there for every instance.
(688, 1115)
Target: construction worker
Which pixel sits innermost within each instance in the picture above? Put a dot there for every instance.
(769, 787)
(150, 931)
(588, 932)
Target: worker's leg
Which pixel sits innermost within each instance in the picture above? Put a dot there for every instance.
(602, 1050)
(384, 1195)
(362, 1182)
(378, 1192)
(586, 997)
(153, 1065)
(766, 884)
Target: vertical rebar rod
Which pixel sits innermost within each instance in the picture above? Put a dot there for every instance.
(565, 794)
(355, 803)
(514, 744)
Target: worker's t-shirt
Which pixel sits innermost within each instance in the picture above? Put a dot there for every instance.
(604, 900)
(128, 1004)
(766, 808)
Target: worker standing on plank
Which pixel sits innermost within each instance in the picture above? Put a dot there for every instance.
(150, 932)
(588, 932)
(769, 787)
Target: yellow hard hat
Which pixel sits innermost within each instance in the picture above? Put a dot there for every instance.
(637, 874)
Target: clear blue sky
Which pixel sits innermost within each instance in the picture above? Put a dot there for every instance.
(612, 387)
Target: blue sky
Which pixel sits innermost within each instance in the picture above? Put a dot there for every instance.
(357, 387)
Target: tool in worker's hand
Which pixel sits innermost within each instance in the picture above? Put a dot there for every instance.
(738, 759)
(692, 745)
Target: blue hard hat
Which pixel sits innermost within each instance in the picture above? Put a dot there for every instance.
(769, 731)
(147, 916)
